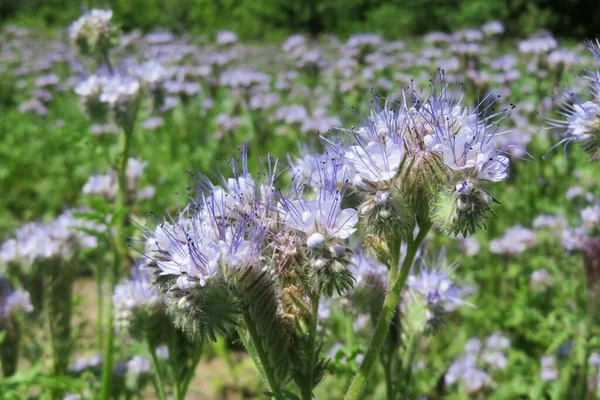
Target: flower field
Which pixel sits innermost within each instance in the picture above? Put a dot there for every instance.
(202, 217)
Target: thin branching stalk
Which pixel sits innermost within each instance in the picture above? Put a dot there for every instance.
(58, 297)
(592, 275)
(350, 335)
(307, 388)
(157, 373)
(395, 285)
(260, 356)
(119, 255)
(174, 364)
(99, 306)
(49, 325)
(386, 362)
(407, 361)
(188, 379)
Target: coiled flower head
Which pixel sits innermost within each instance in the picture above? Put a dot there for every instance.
(426, 150)
(431, 294)
(138, 307)
(119, 94)
(93, 32)
(323, 226)
(582, 122)
(12, 302)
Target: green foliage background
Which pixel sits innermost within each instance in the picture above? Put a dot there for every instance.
(260, 19)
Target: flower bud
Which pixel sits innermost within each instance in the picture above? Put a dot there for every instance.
(315, 241)
(385, 214)
(463, 203)
(462, 210)
(93, 33)
(338, 250)
(183, 303)
(319, 263)
(388, 214)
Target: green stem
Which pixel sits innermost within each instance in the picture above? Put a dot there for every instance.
(48, 320)
(99, 306)
(407, 361)
(188, 379)
(307, 388)
(58, 297)
(387, 370)
(260, 356)
(157, 374)
(351, 337)
(174, 362)
(222, 349)
(395, 285)
(9, 349)
(119, 255)
(592, 277)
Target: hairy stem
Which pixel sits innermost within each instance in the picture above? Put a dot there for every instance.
(157, 373)
(407, 360)
(592, 275)
(350, 335)
(119, 255)
(260, 356)
(174, 364)
(188, 379)
(395, 285)
(386, 362)
(99, 307)
(48, 323)
(307, 388)
(58, 309)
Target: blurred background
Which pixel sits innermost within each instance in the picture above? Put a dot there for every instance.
(272, 19)
(270, 74)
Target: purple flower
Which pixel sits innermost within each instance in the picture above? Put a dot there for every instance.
(320, 219)
(548, 371)
(515, 241)
(434, 284)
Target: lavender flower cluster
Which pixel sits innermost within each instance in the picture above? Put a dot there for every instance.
(473, 368)
(59, 238)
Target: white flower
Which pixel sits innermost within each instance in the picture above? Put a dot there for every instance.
(138, 366)
(497, 341)
(495, 359)
(375, 162)
(135, 169)
(515, 241)
(17, 301)
(461, 139)
(548, 370)
(437, 288)
(92, 87)
(120, 89)
(322, 215)
(590, 217)
(574, 239)
(226, 38)
(583, 119)
(151, 72)
(368, 271)
(105, 185)
(540, 278)
(473, 346)
(92, 25)
(470, 246)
